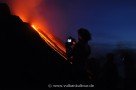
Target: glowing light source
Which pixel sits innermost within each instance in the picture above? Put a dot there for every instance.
(58, 48)
(34, 27)
(28, 11)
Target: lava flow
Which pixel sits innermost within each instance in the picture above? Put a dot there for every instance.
(51, 41)
(32, 11)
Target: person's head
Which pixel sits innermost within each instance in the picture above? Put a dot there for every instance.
(84, 34)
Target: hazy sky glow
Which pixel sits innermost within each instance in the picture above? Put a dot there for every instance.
(110, 21)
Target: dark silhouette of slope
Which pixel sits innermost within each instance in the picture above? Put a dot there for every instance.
(25, 59)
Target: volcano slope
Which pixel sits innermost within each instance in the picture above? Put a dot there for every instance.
(26, 59)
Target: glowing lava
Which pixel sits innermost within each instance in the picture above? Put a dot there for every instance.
(58, 48)
(30, 11)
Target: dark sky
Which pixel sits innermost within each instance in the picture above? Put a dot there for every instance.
(109, 21)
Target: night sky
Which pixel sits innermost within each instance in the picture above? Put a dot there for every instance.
(109, 21)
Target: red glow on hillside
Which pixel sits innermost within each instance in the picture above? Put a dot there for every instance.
(28, 11)
(51, 41)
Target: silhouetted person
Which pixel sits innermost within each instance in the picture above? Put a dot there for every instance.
(69, 47)
(110, 72)
(81, 52)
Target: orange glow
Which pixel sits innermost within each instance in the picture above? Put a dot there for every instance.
(58, 48)
(28, 11)
(34, 27)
